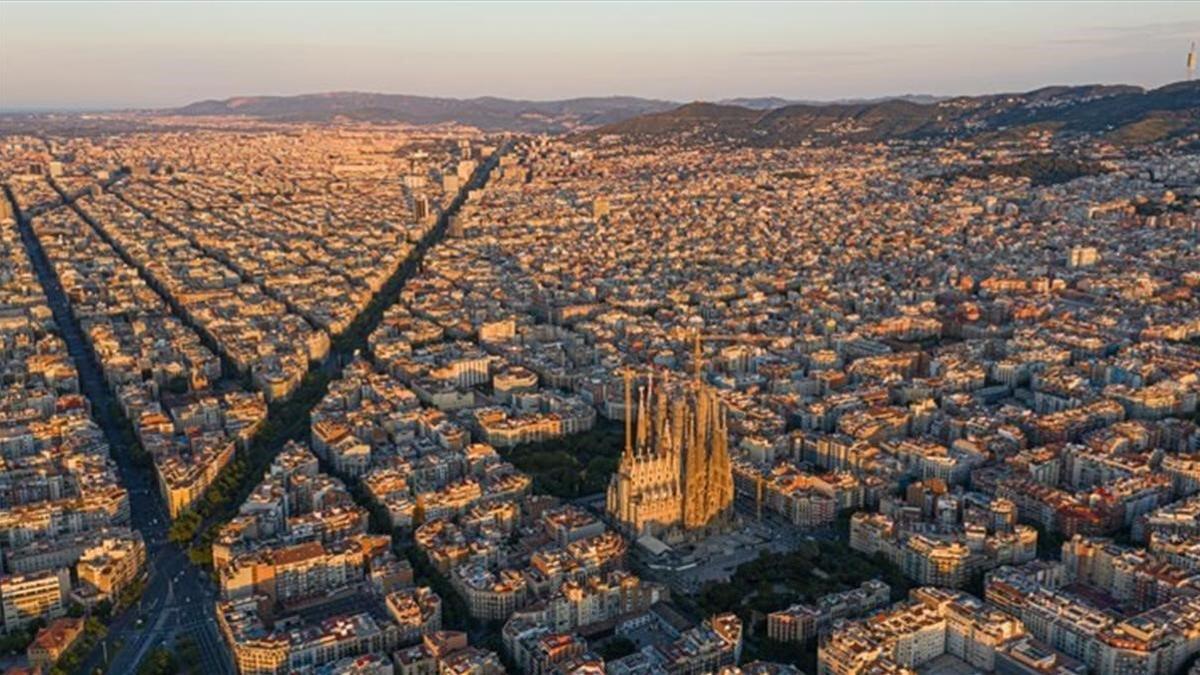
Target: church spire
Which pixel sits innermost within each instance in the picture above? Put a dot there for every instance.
(628, 377)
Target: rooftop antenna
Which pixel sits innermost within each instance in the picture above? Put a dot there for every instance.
(1191, 61)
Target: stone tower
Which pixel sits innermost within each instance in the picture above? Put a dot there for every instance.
(675, 479)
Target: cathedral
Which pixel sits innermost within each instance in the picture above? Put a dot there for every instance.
(675, 480)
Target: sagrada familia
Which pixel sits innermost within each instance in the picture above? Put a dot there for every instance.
(675, 481)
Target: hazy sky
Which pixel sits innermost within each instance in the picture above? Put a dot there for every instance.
(95, 54)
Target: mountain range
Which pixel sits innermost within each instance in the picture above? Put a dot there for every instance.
(1119, 112)
(771, 102)
(488, 113)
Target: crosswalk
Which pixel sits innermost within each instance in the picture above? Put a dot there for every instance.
(200, 628)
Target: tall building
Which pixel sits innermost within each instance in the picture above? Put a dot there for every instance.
(27, 597)
(421, 208)
(675, 479)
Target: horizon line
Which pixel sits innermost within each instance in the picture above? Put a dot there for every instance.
(35, 108)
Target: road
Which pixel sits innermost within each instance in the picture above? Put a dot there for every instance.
(718, 557)
(179, 601)
(126, 642)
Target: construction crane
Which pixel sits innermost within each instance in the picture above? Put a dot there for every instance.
(627, 374)
(699, 338)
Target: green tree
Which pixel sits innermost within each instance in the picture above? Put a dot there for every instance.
(160, 661)
(103, 609)
(183, 529)
(200, 555)
(616, 648)
(187, 652)
(15, 642)
(178, 385)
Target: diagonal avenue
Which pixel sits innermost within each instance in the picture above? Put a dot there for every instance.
(179, 601)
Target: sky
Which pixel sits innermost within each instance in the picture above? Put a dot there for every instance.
(99, 55)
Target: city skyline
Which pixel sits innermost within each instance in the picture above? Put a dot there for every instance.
(348, 382)
(134, 55)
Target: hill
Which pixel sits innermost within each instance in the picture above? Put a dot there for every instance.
(488, 113)
(771, 102)
(1123, 114)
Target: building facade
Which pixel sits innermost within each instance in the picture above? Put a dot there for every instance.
(675, 477)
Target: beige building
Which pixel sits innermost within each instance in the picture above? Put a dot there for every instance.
(112, 564)
(418, 612)
(53, 641)
(40, 595)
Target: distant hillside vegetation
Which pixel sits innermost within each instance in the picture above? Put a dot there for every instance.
(1039, 169)
(1122, 114)
(487, 113)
